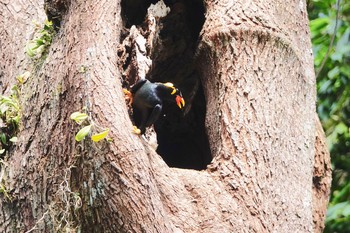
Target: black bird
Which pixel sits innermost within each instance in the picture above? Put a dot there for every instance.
(147, 101)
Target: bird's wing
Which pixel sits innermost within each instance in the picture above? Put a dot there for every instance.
(138, 85)
(154, 115)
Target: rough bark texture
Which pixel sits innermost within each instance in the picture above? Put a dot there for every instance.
(321, 178)
(262, 90)
(255, 65)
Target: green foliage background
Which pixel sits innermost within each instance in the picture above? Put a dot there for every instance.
(333, 86)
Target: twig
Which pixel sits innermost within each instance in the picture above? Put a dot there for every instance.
(332, 40)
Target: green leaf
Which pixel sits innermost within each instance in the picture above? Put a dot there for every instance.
(345, 70)
(16, 119)
(31, 49)
(317, 25)
(335, 211)
(100, 136)
(82, 133)
(346, 211)
(3, 108)
(342, 48)
(22, 78)
(109, 140)
(14, 139)
(40, 42)
(48, 26)
(341, 128)
(78, 117)
(334, 72)
(14, 88)
(3, 139)
(341, 194)
(5, 99)
(30, 52)
(9, 102)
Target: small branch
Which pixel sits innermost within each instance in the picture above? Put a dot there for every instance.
(332, 40)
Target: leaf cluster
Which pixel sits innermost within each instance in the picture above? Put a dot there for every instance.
(9, 119)
(38, 47)
(333, 85)
(80, 118)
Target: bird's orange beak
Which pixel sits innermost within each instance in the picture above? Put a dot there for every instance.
(180, 101)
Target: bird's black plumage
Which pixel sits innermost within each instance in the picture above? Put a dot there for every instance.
(148, 99)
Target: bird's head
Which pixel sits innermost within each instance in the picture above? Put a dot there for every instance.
(177, 93)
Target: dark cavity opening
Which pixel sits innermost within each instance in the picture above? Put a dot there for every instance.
(55, 10)
(134, 11)
(181, 135)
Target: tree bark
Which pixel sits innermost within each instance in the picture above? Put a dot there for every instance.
(321, 179)
(255, 65)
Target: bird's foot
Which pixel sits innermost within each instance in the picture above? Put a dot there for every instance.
(136, 130)
(128, 95)
(126, 92)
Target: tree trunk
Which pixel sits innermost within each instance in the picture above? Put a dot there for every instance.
(246, 72)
